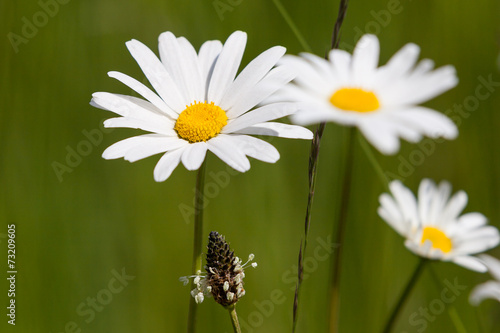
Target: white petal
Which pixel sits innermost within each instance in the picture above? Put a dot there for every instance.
(454, 207)
(471, 263)
(423, 67)
(493, 265)
(490, 289)
(426, 192)
(250, 75)
(160, 146)
(209, 52)
(380, 136)
(307, 76)
(227, 66)
(273, 81)
(260, 115)
(431, 123)
(472, 220)
(137, 113)
(436, 254)
(120, 148)
(139, 147)
(310, 113)
(390, 213)
(416, 89)
(415, 248)
(400, 64)
(321, 65)
(486, 231)
(438, 202)
(127, 106)
(477, 245)
(157, 75)
(146, 125)
(181, 61)
(294, 93)
(406, 201)
(279, 130)
(477, 241)
(365, 58)
(340, 62)
(400, 128)
(224, 148)
(256, 148)
(207, 57)
(144, 91)
(194, 155)
(426, 250)
(167, 164)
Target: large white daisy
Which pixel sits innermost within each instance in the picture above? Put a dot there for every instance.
(199, 105)
(432, 224)
(381, 101)
(490, 289)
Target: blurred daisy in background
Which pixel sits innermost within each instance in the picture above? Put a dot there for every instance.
(433, 226)
(199, 105)
(490, 289)
(381, 101)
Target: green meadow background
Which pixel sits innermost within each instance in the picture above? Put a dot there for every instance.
(81, 221)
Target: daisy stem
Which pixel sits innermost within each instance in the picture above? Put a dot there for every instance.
(292, 26)
(339, 232)
(405, 294)
(234, 318)
(371, 157)
(455, 318)
(452, 311)
(480, 324)
(198, 235)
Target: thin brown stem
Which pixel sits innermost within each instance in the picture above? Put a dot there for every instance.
(340, 232)
(313, 164)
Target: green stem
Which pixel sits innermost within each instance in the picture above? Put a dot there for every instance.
(234, 318)
(452, 311)
(340, 232)
(292, 26)
(405, 294)
(197, 242)
(455, 318)
(480, 324)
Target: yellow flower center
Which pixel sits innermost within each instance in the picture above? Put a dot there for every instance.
(200, 122)
(438, 238)
(355, 99)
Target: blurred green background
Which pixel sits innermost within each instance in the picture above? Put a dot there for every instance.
(99, 218)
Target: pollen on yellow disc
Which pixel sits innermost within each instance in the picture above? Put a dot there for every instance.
(200, 122)
(355, 99)
(438, 238)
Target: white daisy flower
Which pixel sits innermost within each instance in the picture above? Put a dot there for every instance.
(490, 289)
(199, 105)
(432, 224)
(381, 101)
